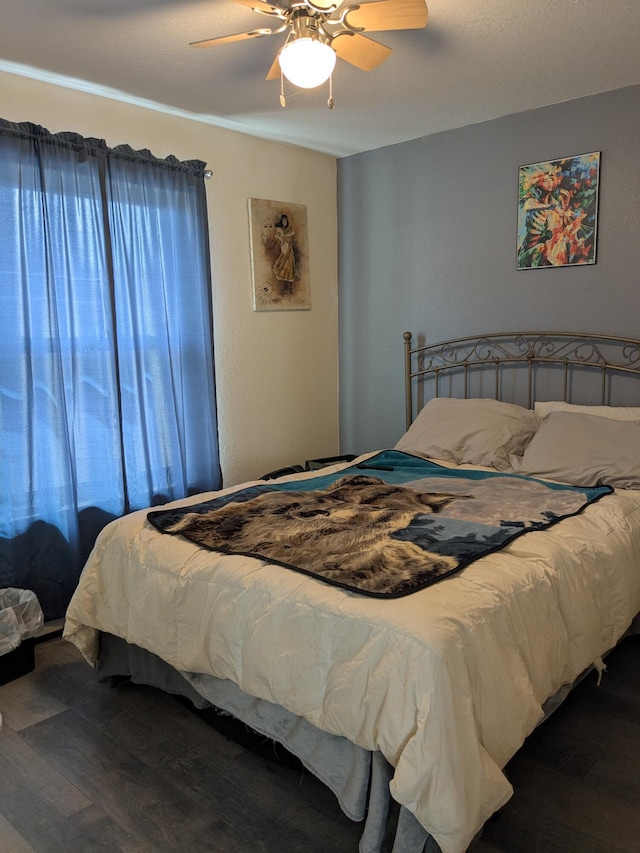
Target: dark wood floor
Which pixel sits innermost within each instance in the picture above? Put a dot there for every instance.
(85, 767)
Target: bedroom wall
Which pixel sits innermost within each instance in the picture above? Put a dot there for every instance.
(427, 244)
(277, 372)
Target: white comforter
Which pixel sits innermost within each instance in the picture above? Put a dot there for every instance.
(446, 682)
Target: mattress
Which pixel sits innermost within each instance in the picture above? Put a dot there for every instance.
(445, 683)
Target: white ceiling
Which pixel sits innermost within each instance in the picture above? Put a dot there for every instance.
(476, 60)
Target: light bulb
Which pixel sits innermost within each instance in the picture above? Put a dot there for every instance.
(307, 62)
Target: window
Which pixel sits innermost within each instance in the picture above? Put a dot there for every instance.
(107, 396)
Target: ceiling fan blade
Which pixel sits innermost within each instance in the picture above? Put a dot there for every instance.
(252, 34)
(389, 15)
(360, 51)
(274, 71)
(260, 6)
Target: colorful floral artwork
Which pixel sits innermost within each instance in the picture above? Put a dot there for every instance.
(558, 212)
(279, 255)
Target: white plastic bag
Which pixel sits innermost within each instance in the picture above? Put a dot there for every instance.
(20, 617)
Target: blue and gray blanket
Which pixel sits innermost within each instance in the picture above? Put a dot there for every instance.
(386, 527)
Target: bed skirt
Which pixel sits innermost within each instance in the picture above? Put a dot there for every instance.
(358, 778)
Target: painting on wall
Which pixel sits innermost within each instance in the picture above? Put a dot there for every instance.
(558, 212)
(279, 256)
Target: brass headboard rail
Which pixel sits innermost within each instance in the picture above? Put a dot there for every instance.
(606, 355)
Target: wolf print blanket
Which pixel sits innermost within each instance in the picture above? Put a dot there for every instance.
(386, 527)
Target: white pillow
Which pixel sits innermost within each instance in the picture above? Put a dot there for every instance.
(474, 432)
(585, 450)
(614, 413)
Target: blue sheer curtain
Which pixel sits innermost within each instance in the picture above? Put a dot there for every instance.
(107, 391)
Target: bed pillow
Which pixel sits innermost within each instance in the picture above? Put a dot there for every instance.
(473, 431)
(585, 450)
(614, 413)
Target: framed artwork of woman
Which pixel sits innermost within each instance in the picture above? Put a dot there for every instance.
(279, 256)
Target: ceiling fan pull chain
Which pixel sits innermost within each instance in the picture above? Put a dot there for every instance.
(330, 102)
(283, 100)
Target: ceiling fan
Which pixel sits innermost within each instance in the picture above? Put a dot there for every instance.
(319, 31)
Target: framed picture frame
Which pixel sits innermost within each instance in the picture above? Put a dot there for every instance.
(558, 212)
(279, 256)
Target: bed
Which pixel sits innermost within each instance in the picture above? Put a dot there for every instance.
(423, 692)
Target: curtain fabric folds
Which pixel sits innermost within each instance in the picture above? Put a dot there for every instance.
(107, 389)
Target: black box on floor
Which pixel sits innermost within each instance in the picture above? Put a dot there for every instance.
(18, 662)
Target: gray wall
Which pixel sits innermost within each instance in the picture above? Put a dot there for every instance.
(427, 234)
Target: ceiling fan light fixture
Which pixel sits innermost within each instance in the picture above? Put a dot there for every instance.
(307, 62)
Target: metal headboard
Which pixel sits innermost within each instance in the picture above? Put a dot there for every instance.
(477, 365)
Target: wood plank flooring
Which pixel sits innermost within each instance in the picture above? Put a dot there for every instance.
(85, 767)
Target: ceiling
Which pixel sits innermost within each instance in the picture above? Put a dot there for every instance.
(473, 62)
